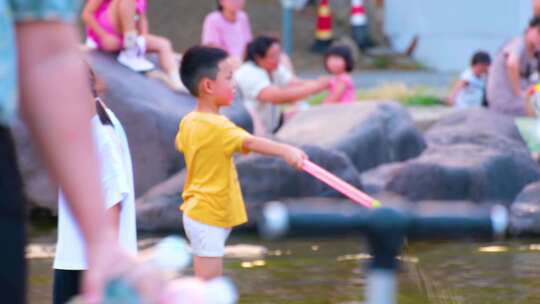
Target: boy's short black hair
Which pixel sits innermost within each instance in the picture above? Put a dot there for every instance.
(259, 46)
(535, 22)
(200, 62)
(342, 51)
(481, 57)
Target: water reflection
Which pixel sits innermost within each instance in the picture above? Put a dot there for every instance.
(333, 271)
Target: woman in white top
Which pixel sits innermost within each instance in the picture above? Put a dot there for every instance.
(264, 83)
(117, 182)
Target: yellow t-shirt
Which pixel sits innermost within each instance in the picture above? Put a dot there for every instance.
(212, 192)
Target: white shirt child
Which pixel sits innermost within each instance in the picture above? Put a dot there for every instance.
(473, 93)
(116, 178)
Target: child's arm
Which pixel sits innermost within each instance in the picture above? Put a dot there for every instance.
(512, 68)
(292, 155)
(335, 96)
(460, 85)
(279, 95)
(109, 42)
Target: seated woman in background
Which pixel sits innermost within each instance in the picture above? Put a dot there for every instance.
(264, 84)
(513, 71)
(122, 26)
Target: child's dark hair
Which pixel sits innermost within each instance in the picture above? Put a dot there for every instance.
(481, 57)
(259, 46)
(535, 22)
(219, 6)
(96, 87)
(200, 62)
(342, 51)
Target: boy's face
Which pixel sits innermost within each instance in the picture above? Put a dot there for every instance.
(223, 86)
(480, 69)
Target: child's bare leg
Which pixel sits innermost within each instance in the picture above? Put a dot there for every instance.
(207, 268)
(163, 47)
(122, 15)
(167, 60)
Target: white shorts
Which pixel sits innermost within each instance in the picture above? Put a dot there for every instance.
(206, 240)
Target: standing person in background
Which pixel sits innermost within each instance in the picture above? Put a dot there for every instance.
(228, 28)
(469, 91)
(40, 60)
(513, 71)
(264, 84)
(122, 26)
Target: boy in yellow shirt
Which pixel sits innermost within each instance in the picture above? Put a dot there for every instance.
(212, 197)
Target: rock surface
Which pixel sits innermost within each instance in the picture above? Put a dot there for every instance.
(473, 155)
(525, 211)
(369, 133)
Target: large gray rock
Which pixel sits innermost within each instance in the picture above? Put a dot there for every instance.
(149, 112)
(262, 179)
(476, 126)
(473, 155)
(369, 133)
(376, 179)
(525, 211)
(464, 172)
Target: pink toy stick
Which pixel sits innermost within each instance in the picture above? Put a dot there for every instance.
(340, 185)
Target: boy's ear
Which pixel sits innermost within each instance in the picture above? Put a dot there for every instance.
(206, 86)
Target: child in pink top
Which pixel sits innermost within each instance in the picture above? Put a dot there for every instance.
(228, 28)
(338, 61)
(122, 26)
(103, 17)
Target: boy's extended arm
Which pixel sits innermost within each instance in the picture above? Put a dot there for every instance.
(292, 155)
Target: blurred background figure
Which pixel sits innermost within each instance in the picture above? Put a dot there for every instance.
(470, 90)
(122, 26)
(339, 62)
(514, 71)
(228, 27)
(264, 83)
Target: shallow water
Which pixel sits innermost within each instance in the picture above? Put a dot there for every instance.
(326, 270)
